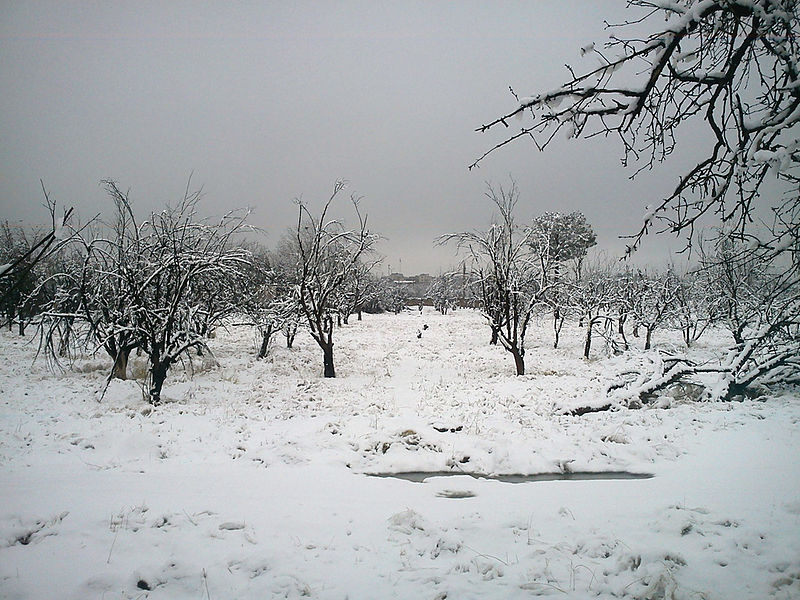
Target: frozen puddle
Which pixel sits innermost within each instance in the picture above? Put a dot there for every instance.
(422, 476)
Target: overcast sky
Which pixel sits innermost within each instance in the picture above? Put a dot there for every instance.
(265, 102)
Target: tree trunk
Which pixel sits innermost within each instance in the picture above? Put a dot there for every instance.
(359, 314)
(493, 341)
(63, 343)
(519, 361)
(120, 368)
(158, 373)
(21, 326)
(265, 337)
(558, 323)
(346, 318)
(648, 335)
(625, 344)
(327, 360)
(588, 344)
(290, 332)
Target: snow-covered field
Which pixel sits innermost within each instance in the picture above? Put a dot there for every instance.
(250, 481)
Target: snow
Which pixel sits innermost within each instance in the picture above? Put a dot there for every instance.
(60, 232)
(250, 481)
(648, 215)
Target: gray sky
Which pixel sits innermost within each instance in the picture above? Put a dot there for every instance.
(268, 101)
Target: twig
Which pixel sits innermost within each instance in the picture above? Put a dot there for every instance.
(205, 581)
(486, 555)
(110, 550)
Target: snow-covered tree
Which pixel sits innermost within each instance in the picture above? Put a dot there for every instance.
(358, 289)
(653, 300)
(265, 296)
(593, 298)
(18, 285)
(556, 239)
(728, 67)
(695, 310)
(159, 285)
(444, 291)
(108, 282)
(388, 296)
(184, 262)
(735, 281)
(22, 253)
(511, 283)
(59, 327)
(285, 272)
(328, 254)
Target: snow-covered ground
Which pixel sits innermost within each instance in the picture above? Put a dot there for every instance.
(250, 481)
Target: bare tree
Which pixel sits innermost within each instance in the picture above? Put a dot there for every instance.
(59, 324)
(107, 283)
(445, 291)
(20, 276)
(653, 300)
(593, 298)
(390, 296)
(328, 254)
(21, 253)
(158, 285)
(735, 281)
(625, 297)
(695, 309)
(286, 268)
(179, 252)
(269, 295)
(511, 284)
(358, 289)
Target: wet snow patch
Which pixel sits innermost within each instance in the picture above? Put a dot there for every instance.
(423, 476)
